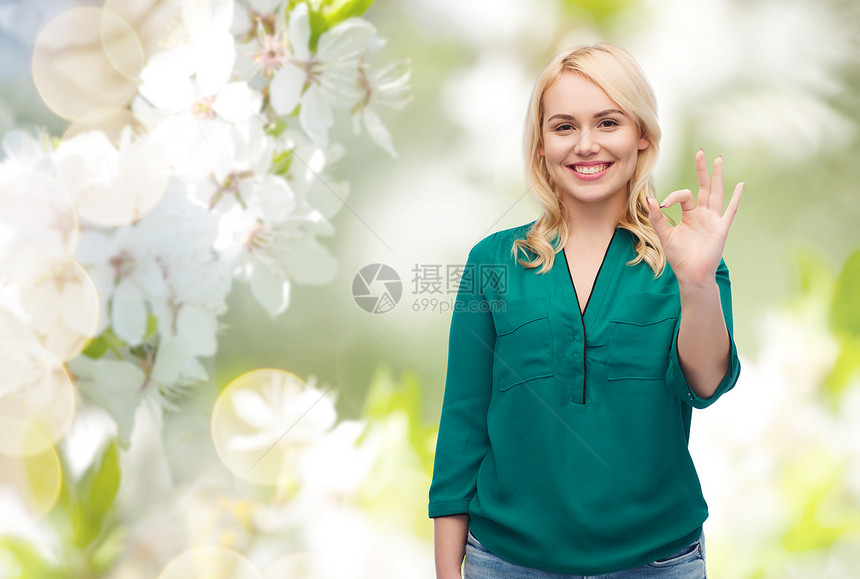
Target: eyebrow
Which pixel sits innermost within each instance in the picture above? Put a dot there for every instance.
(596, 115)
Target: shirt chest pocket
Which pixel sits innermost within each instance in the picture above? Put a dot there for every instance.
(523, 349)
(639, 337)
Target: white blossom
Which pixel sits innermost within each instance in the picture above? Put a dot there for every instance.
(308, 177)
(262, 47)
(201, 138)
(387, 86)
(271, 253)
(199, 60)
(217, 180)
(330, 73)
(238, 180)
(187, 97)
(163, 266)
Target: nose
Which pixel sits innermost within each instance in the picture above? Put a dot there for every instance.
(586, 145)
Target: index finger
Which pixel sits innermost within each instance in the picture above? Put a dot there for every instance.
(704, 179)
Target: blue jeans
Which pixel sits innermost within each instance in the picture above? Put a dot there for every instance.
(688, 563)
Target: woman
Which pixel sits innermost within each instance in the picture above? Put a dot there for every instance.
(571, 378)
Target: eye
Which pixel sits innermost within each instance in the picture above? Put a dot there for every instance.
(608, 124)
(564, 127)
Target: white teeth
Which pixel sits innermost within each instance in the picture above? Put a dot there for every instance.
(590, 169)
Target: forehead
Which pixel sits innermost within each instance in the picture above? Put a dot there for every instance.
(576, 95)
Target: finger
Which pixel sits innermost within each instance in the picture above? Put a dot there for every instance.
(732, 209)
(715, 201)
(658, 220)
(684, 197)
(703, 177)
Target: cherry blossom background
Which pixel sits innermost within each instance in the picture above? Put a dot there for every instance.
(188, 188)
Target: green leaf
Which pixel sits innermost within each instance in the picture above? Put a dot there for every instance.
(97, 347)
(277, 128)
(80, 513)
(88, 502)
(318, 26)
(337, 12)
(845, 307)
(281, 162)
(26, 561)
(330, 14)
(64, 513)
(101, 482)
(151, 326)
(109, 341)
(846, 367)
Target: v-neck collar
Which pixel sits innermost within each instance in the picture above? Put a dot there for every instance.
(605, 273)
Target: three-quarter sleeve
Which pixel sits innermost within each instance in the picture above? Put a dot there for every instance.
(675, 379)
(463, 441)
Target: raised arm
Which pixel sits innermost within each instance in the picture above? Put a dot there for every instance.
(694, 249)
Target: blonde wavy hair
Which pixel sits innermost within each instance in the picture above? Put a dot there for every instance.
(615, 71)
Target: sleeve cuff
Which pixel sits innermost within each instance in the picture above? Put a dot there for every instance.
(441, 509)
(678, 385)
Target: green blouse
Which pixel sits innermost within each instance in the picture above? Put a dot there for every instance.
(563, 435)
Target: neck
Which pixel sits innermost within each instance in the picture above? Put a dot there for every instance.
(593, 222)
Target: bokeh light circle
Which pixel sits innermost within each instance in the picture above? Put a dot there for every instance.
(153, 21)
(34, 478)
(55, 304)
(35, 393)
(264, 420)
(210, 562)
(84, 59)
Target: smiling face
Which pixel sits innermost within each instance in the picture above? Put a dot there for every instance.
(590, 145)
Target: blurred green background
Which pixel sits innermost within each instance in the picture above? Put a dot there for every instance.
(772, 86)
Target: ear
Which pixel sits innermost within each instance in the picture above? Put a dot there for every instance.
(644, 144)
(540, 150)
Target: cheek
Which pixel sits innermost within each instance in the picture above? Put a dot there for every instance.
(624, 147)
(552, 149)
